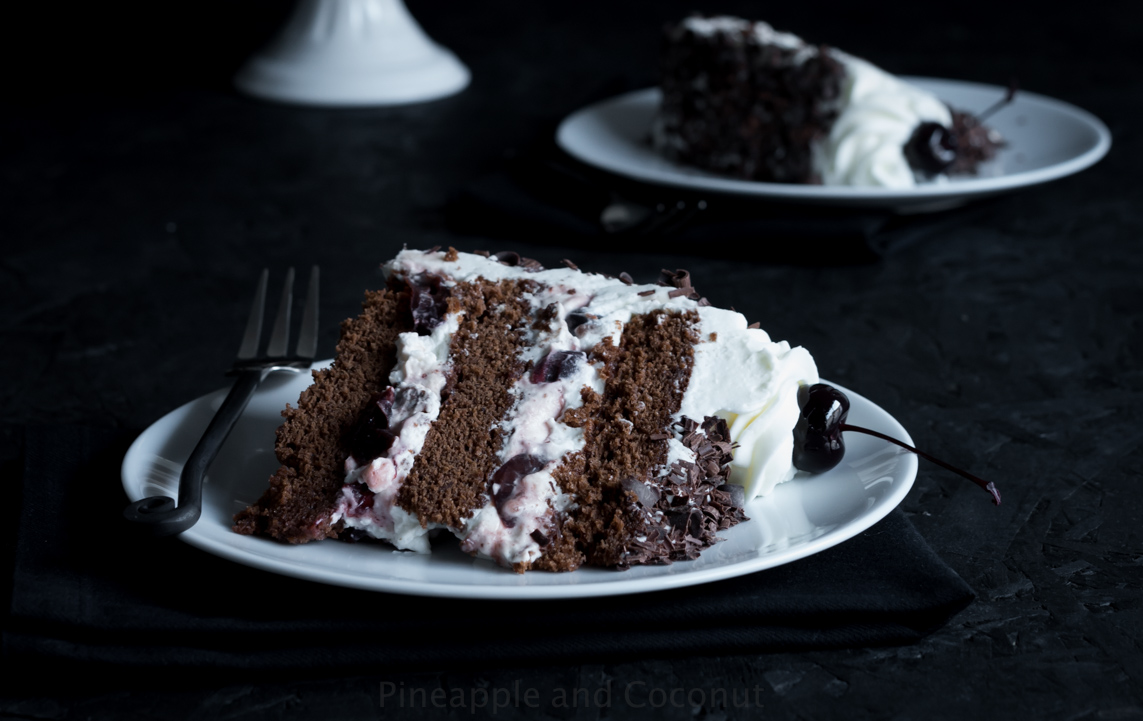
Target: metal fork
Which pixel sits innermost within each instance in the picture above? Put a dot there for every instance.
(628, 218)
(159, 513)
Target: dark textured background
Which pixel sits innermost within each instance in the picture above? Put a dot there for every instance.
(140, 195)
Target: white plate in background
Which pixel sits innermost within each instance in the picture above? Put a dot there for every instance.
(1046, 139)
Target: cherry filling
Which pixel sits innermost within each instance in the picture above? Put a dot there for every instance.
(575, 319)
(360, 501)
(818, 444)
(380, 422)
(557, 365)
(428, 302)
(503, 484)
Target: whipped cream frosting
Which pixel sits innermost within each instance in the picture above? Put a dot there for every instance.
(739, 374)
(879, 112)
(759, 32)
(419, 375)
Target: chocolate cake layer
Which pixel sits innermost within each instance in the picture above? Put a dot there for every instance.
(312, 443)
(450, 477)
(744, 109)
(646, 377)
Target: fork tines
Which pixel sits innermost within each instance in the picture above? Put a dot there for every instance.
(278, 346)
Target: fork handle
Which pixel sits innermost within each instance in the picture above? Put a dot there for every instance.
(159, 514)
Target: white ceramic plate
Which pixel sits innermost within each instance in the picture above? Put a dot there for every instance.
(798, 519)
(1047, 139)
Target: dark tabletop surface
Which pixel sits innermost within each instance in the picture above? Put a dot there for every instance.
(140, 195)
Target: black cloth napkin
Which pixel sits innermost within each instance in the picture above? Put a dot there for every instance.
(543, 195)
(87, 589)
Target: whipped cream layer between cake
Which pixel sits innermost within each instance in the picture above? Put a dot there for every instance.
(738, 374)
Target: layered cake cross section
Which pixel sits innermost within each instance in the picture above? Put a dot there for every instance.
(546, 418)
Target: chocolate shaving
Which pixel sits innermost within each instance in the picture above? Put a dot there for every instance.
(645, 293)
(540, 538)
(976, 143)
(736, 492)
(755, 325)
(433, 249)
(701, 502)
(626, 278)
(570, 264)
(680, 280)
(513, 259)
(645, 494)
(484, 253)
(659, 436)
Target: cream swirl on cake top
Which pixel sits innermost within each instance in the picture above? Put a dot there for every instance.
(879, 113)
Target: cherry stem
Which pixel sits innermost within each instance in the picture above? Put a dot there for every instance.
(990, 487)
(1012, 87)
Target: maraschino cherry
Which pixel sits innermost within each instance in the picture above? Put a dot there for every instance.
(818, 443)
(932, 148)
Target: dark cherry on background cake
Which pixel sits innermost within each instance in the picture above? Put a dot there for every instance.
(934, 149)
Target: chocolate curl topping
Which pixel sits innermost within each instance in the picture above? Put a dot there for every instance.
(570, 264)
(677, 279)
(680, 280)
(626, 278)
(513, 259)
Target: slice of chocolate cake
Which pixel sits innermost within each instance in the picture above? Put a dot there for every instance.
(546, 418)
(743, 100)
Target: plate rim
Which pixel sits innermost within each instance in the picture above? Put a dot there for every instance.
(620, 586)
(967, 188)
